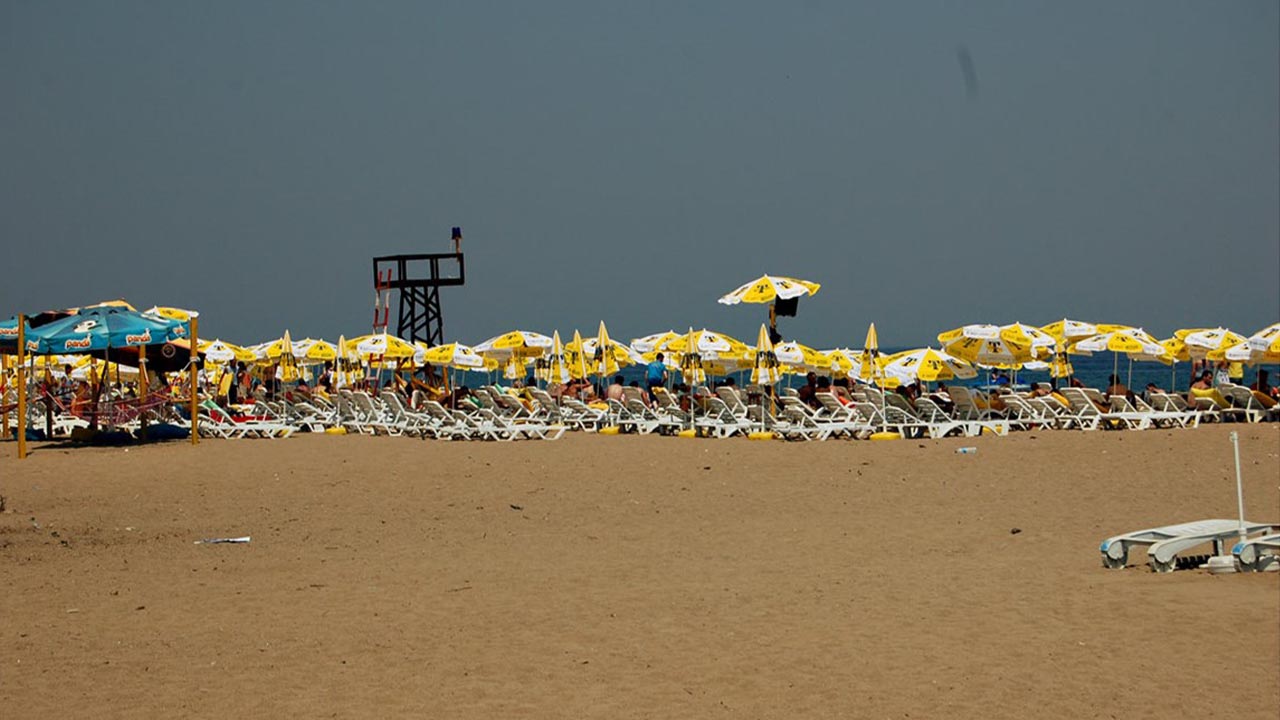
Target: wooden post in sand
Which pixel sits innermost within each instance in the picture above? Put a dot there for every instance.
(4, 376)
(195, 401)
(142, 392)
(22, 388)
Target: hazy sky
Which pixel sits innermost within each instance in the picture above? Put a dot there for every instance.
(633, 161)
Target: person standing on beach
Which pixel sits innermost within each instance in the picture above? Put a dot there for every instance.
(656, 375)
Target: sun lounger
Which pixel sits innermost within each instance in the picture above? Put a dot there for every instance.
(1086, 414)
(1243, 403)
(1164, 543)
(1258, 554)
(966, 406)
(581, 415)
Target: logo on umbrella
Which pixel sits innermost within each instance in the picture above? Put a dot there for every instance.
(142, 339)
(81, 344)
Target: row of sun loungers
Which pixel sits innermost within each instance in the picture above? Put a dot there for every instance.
(723, 413)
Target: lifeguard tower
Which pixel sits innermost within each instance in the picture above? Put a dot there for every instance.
(418, 278)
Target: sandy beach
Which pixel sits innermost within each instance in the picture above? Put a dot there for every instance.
(631, 577)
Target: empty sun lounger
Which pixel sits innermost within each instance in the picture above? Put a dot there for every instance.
(1258, 554)
(1164, 543)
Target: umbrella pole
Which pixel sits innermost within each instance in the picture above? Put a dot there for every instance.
(4, 377)
(22, 388)
(195, 416)
(1235, 444)
(142, 392)
(48, 399)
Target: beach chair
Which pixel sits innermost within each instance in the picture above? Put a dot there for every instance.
(374, 415)
(845, 417)
(1164, 543)
(733, 401)
(408, 421)
(1081, 409)
(1176, 408)
(581, 415)
(720, 420)
(1259, 554)
(799, 421)
(1022, 414)
(446, 424)
(966, 406)
(496, 427)
(1243, 403)
(1113, 418)
(545, 408)
(219, 423)
(939, 424)
(669, 409)
(639, 417)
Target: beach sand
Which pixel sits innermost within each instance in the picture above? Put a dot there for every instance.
(628, 577)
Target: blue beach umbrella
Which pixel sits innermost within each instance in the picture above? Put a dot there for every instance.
(9, 335)
(102, 328)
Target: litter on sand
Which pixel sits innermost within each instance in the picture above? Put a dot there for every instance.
(215, 541)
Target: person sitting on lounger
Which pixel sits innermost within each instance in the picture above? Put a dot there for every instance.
(806, 391)
(614, 391)
(1115, 387)
(1263, 391)
(909, 391)
(942, 397)
(1203, 388)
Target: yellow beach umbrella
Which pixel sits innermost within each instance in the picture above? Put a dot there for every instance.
(384, 345)
(927, 365)
(985, 345)
(1260, 347)
(869, 365)
(767, 288)
(288, 363)
(650, 343)
(845, 362)
(519, 343)
(554, 368)
(765, 370)
(172, 313)
(311, 351)
(709, 344)
(220, 351)
(1041, 342)
(797, 358)
(88, 367)
(578, 364)
(348, 367)
(1203, 342)
(1068, 331)
(453, 355)
(1127, 340)
(603, 358)
(692, 366)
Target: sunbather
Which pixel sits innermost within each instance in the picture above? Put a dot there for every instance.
(1263, 391)
(1203, 388)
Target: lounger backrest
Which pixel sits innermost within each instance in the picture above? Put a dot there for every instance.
(829, 402)
(930, 411)
(731, 399)
(1079, 401)
(1240, 397)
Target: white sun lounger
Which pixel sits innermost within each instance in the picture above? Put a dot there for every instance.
(1258, 554)
(1164, 543)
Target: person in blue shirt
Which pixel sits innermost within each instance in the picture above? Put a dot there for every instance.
(655, 375)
